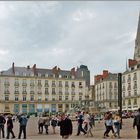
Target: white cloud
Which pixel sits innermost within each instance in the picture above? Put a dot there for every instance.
(4, 52)
(66, 34)
(85, 14)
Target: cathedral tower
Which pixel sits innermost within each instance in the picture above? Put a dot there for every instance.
(137, 43)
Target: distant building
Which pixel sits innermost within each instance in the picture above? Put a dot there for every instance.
(85, 73)
(131, 79)
(30, 90)
(106, 91)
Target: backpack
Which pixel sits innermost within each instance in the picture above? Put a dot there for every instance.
(54, 123)
(23, 121)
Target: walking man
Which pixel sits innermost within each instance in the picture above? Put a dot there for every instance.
(137, 123)
(23, 123)
(80, 122)
(2, 122)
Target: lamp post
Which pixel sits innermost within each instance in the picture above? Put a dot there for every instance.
(120, 96)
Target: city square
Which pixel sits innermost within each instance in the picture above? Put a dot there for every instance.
(127, 131)
(65, 61)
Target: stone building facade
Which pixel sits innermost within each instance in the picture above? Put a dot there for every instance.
(106, 92)
(131, 78)
(30, 90)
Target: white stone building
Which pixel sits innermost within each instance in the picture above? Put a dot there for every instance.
(106, 92)
(131, 79)
(30, 90)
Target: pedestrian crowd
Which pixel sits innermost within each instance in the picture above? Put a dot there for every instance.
(6, 121)
(85, 124)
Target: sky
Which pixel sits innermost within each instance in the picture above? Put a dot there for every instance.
(99, 34)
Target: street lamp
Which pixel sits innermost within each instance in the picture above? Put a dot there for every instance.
(120, 96)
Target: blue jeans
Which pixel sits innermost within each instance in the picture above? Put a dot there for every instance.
(117, 127)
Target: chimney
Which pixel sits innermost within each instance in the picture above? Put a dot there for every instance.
(13, 67)
(105, 73)
(34, 68)
(72, 72)
(54, 70)
(131, 62)
(97, 78)
(59, 70)
(28, 67)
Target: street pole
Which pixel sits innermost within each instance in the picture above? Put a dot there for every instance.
(120, 96)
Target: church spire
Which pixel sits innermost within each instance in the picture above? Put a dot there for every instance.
(138, 30)
(137, 42)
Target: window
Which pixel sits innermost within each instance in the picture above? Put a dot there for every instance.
(24, 98)
(46, 91)
(60, 91)
(16, 98)
(32, 98)
(135, 101)
(39, 98)
(53, 83)
(129, 93)
(24, 89)
(66, 91)
(60, 98)
(67, 105)
(135, 76)
(135, 92)
(123, 94)
(72, 98)
(60, 105)
(60, 83)
(103, 85)
(46, 83)
(39, 82)
(129, 102)
(123, 102)
(80, 98)
(53, 90)
(6, 98)
(73, 84)
(129, 78)
(24, 81)
(46, 75)
(66, 84)
(66, 98)
(110, 85)
(115, 85)
(123, 79)
(46, 98)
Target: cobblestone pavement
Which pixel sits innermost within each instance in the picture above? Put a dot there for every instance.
(127, 132)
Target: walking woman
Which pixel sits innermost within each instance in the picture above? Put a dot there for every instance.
(117, 122)
(10, 127)
(109, 126)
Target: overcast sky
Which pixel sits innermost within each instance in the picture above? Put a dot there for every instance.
(100, 34)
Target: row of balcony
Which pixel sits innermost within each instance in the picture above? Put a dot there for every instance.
(40, 85)
(39, 92)
(129, 87)
(129, 79)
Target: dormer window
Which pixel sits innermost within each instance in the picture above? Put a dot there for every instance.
(16, 73)
(46, 75)
(39, 74)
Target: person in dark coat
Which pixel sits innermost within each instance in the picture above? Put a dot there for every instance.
(2, 122)
(23, 123)
(10, 127)
(65, 126)
(136, 122)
